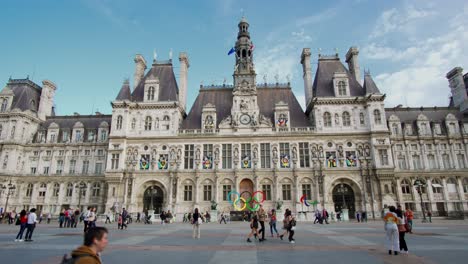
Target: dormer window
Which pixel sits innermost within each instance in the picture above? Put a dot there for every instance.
(150, 96)
(395, 129)
(4, 105)
(341, 88)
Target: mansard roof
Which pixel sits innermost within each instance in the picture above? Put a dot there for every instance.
(433, 114)
(369, 85)
(168, 89)
(323, 83)
(25, 91)
(124, 93)
(267, 97)
(68, 122)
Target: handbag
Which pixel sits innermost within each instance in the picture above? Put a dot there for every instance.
(200, 221)
(401, 228)
(18, 221)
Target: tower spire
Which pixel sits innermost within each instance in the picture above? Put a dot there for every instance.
(244, 68)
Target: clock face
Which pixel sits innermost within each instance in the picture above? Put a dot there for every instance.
(245, 119)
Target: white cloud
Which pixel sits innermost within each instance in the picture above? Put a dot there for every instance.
(317, 18)
(301, 36)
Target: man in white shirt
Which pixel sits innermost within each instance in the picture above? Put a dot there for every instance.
(32, 220)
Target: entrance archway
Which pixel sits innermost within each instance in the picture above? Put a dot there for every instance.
(246, 191)
(153, 198)
(344, 194)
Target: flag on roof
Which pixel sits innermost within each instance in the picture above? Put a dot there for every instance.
(231, 51)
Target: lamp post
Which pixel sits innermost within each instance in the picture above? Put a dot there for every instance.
(318, 154)
(419, 183)
(80, 188)
(9, 189)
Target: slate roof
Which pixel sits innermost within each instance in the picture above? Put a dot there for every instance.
(24, 92)
(267, 97)
(168, 89)
(68, 122)
(369, 85)
(434, 114)
(323, 82)
(124, 93)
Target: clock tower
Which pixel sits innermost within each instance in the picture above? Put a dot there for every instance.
(245, 111)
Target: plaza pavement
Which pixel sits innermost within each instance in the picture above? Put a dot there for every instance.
(440, 242)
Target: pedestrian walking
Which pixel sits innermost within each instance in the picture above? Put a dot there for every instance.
(49, 216)
(61, 218)
(95, 241)
(391, 230)
(292, 229)
(401, 230)
(273, 223)
(429, 215)
(364, 216)
(31, 224)
(409, 218)
(325, 216)
(358, 216)
(286, 219)
(253, 229)
(22, 221)
(223, 218)
(261, 219)
(138, 218)
(196, 222)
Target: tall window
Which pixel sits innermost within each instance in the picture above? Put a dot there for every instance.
(307, 190)
(98, 168)
(59, 167)
(96, 189)
(4, 105)
(432, 161)
(304, 154)
(77, 135)
(72, 166)
(103, 135)
(42, 190)
(461, 161)
(416, 162)
(56, 190)
(465, 185)
(226, 190)
(383, 157)
(148, 122)
(402, 162)
(266, 189)
(119, 122)
(133, 123)
(286, 192)
(29, 190)
(452, 186)
(346, 119)
(46, 170)
(341, 88)
(405, 187)
(150, 93)
(85, 168)
(69, 190)
(115, 161)
(395, 129)
(206, 192)
(188, 157)
(377, 117)
(265, 157)
(188, 193)
(436, 186)
(446, 160)
(227, 156)
(327, 119)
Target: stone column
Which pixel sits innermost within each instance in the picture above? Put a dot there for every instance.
(398, 191)
(125, 182)
(454, 157)
(430, 194)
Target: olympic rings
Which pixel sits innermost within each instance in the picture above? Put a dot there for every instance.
(252, 199)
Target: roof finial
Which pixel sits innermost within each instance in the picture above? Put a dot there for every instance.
(155, 55)
(276, 77)
(265, 78)
(288, 77)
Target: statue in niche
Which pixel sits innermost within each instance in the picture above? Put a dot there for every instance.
(216, 152)
(243, 105)
(156, 124)
(209, 122)
(255, 152)
(275, 152)
(197, 156)
(254, 120)
(236, 153)
(337, 119)
(294, 152)
(179, 154)
(173, 155)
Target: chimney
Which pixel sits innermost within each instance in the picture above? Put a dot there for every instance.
(46, 102)
(353, 64)
(140, 67)
(307, 75)
(457, 87)
(184, 65)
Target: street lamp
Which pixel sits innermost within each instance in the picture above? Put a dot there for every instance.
(9, 189)
(343, 189)
(318, 154)
(419, 183)
(81, 186)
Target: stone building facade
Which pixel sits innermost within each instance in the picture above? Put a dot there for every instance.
(345, 149)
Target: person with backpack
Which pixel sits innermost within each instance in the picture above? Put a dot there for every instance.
(95, 241)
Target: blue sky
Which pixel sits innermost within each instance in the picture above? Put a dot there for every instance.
(87, 47)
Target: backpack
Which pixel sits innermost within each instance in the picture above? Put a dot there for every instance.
(72, 260)
(293, 222)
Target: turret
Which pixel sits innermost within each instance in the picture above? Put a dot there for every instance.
(46, 102)
(140, 67)
(353, 64)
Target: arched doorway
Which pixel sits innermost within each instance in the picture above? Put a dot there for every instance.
(153, 198)
(246, 191)
(344, 194)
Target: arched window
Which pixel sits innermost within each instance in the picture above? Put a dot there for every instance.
(133, 123)
(327, 119)
(150, 93)
(377, 117)
(452, 185)
(244, 53)
(341, 88)
(56, 190)
(69, 190)
(119, 122)
(346, 119)
(4, 105)
(361, 118)
(166, 118)
(465, 185)
(395, 129)
(29, 190)
(405, 187)
(96, 189)
(148, 122)
(436, 186)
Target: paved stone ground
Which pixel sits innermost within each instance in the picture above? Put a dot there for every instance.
(440, 242)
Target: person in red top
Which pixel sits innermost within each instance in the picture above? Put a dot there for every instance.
(409, 218)
(23, 220)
